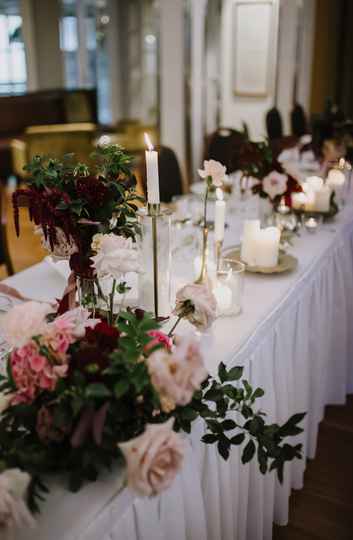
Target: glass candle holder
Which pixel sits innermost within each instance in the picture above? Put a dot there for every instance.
(155, 278)
(229, 286)
(311, 222)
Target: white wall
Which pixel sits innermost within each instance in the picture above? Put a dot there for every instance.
(172, 100)
(234, 109)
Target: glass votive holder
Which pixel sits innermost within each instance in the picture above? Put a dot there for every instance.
(311, 222)
(229, 286)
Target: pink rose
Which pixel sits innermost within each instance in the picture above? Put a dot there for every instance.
(177, 375)
(196, 302)
(215, 170)
(275, 184)
(159, 338)
(153, 459)
(24, 321)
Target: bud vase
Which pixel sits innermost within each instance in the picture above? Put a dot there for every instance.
(265, 212)
(155, 249)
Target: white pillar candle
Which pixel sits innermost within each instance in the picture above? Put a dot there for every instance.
(335, 178)
(267, 247)
(314, 183)
(299, 200)
(220, 216)
(322, 199)
(250, 230)
(152, 173)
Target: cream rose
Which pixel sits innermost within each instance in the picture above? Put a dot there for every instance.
(24, 321)
(153, 459)
(13, 511)
(197, 303)
(215, 170)
(177, 375)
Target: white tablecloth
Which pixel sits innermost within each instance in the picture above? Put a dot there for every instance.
(294, 339)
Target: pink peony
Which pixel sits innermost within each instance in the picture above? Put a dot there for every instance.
(177, 375)
(13, 511)
(159, 338)
(24, 321)
(202, 303)
(275, 184)
(78, 320)
(153, 458)
(215, 170)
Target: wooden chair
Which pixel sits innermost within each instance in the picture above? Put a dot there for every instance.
(5, 258)
(222, 145)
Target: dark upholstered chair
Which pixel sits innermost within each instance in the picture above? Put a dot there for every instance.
(222, 146)
(299, 125)
(5, 258)
(274, 124)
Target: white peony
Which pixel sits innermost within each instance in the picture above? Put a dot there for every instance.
(275, 184)
(215, 170)
(115, 257)
(79, 319)
(24, 321)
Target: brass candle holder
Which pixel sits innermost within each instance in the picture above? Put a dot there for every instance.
(218, 251)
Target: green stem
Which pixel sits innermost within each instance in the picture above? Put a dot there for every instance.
(174, 326)
(111, 302)
(205, 207)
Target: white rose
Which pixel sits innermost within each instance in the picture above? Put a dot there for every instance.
(116, 256)
(24, 321)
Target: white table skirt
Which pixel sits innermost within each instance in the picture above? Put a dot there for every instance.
(294, 340)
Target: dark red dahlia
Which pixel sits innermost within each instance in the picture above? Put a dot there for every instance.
(92, 190)
(103, 335)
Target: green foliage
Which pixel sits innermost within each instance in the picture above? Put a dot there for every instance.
(214, 403)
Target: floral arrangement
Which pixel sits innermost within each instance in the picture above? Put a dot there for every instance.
(71, 202)
(255, 159)
(81, 395)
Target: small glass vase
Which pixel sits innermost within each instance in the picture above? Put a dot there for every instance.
(88, 293)
(265, 212)
(155, 279)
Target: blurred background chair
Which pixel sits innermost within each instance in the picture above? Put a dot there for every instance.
(274, 124)
(299, 124)
(5, 258)
(222, 145)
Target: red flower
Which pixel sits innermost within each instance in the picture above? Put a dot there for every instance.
(92, 190)
(103, 335)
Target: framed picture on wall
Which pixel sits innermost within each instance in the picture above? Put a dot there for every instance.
(254, 46)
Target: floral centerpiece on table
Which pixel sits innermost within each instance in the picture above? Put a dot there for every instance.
(81, 395)
(255, 160)
(72, 202)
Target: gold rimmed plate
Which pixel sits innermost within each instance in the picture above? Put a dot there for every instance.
(286, 263)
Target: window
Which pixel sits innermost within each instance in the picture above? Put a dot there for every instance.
(13, 74)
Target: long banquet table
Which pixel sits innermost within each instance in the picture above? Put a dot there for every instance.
(294, 339)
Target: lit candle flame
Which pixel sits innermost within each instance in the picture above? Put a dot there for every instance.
(219, 194)
(148, 142)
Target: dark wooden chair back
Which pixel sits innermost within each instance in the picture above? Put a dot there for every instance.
(5, 258)
(299, 125)
(222, 145)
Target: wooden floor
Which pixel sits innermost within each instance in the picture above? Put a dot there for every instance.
(323, 510)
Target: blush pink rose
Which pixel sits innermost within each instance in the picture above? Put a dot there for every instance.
(177, 375)
(202, 303)
(153, 459)
(275, 184)
(215, 170)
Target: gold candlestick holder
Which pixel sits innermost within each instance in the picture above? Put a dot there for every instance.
(203, 277)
